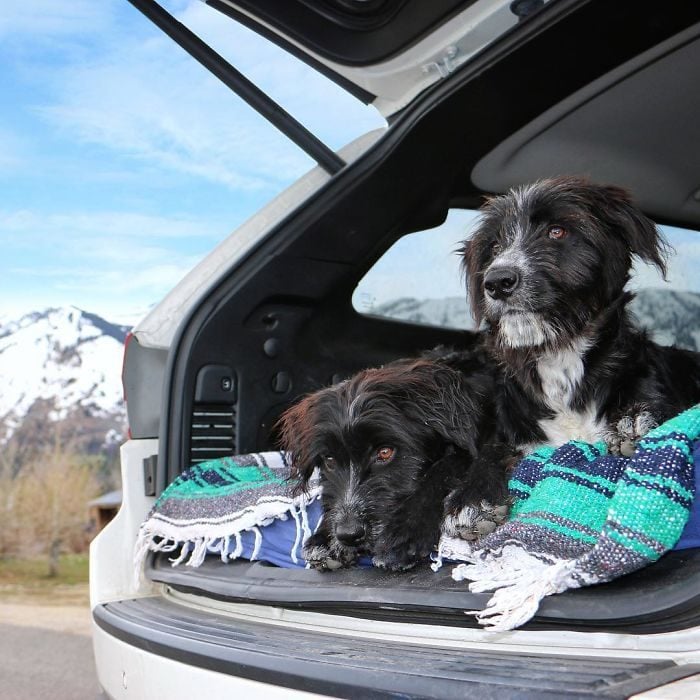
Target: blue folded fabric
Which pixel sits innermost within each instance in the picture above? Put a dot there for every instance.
(278, 543)
(690, 537)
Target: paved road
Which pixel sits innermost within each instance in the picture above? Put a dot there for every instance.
(41, 663)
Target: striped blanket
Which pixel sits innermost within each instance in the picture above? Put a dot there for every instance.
(234, 507)
(582, 516)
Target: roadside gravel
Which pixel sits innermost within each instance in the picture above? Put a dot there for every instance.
(58, 618)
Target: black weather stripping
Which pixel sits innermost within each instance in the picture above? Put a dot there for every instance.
(236, 81)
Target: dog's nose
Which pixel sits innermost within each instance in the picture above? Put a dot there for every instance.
(501, 282)
(350, 533)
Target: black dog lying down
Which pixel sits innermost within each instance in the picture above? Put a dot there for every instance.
(546, 269)
(392, 444)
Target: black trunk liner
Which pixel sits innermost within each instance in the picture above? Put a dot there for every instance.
(660, 598)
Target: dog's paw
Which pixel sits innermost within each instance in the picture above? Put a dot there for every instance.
(473, 522)
(394, 561)
(622, 440)
(399, 552)
(320, 556)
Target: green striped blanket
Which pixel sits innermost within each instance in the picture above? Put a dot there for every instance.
(582, 516)
(223, 507)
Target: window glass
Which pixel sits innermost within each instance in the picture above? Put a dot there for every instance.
(670, 309)
(419, 280)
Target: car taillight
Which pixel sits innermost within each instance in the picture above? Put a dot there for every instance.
(127, 342)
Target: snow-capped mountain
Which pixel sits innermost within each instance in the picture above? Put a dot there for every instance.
(60, 363)
(672, 317)
(449, 312)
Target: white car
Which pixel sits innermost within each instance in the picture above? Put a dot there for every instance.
(479, 95)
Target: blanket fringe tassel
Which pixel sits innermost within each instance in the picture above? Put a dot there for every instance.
(520, 581)
(160, 537)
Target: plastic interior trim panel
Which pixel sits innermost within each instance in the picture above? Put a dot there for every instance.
(625, 112)
(349, 667)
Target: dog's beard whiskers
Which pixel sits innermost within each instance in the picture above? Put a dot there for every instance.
(527, 329)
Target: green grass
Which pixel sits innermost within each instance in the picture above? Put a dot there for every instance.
(24, 579)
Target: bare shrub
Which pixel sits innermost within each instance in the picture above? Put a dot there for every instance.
(44, 506)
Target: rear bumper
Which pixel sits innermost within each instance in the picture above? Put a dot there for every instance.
(127, 671)
(187, 644)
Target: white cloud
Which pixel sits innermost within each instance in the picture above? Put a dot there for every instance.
(103, 225)
(172, 117)
(13, 151)
(108, 263)
(47, 18)
(88, 250)
(149, 100)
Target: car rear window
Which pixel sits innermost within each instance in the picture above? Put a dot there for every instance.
(419, 280)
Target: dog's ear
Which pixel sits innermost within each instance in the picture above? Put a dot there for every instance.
(297, 431)
(449, 403)
(476, 254)
(639, 233)
(473, 252)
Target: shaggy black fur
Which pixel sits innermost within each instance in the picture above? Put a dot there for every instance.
(546, 269)
(391, 444)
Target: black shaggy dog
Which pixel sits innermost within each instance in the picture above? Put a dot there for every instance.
(391, 444)
(546, 268)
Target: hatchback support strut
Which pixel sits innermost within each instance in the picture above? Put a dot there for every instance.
(244, 88)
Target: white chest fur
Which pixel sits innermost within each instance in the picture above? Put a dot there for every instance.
(560, 374)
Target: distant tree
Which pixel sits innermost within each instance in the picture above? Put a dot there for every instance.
(47, 511)
(10, 527)
(87, 433)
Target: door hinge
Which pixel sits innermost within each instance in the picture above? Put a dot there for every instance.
(444, 65)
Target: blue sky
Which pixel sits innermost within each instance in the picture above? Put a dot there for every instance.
(122, 162)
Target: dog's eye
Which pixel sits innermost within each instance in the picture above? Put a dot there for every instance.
(496, 248)
(557, 232)
(385, 455)
(329, 462)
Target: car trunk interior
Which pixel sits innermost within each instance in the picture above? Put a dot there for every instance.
(282, 323)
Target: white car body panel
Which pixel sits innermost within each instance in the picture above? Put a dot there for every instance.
(112, 575)
(127, 672)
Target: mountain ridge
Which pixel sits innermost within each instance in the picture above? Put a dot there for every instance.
(58, 363)
(671, 316)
